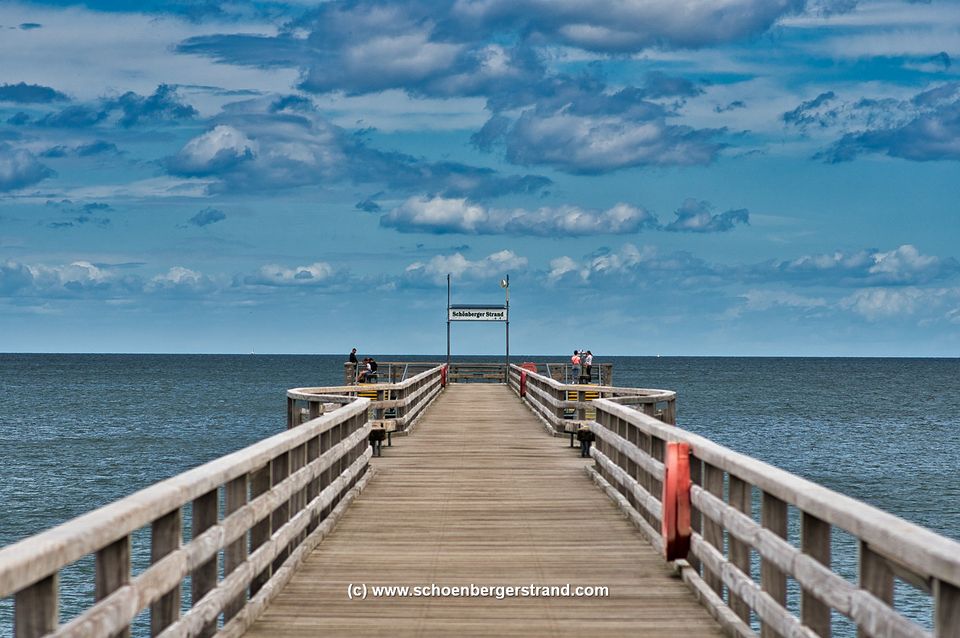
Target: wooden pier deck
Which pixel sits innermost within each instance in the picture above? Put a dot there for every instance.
(479, 494)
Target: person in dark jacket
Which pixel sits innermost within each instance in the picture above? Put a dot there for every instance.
(586, 436)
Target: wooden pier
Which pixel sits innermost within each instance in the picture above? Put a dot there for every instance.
(290, 536)
(479, 495)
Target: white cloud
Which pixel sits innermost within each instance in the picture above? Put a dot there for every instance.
(436, 270)
(902, 265)
(458, 215)
(219, 148)
(622, 265)
(884, 303)
(182, 280)
(87, 54)
(314, 274)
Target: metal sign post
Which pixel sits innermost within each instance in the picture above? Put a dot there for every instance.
(505, 284)
(486, 312)
(448, 321)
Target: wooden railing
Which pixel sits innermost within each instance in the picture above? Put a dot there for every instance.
(729, 531)
(458, 372)
(393, 406)
(602, 372)
(564, 407)
(465, 372)
(254, 516)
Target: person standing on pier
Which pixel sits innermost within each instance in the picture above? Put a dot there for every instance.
(356, 366)
(575, 366)
(588, 367)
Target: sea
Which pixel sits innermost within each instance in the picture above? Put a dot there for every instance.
(78, 431)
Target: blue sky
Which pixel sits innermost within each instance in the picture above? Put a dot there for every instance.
(745, 177)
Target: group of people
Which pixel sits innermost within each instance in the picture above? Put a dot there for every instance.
(368, 372)
(581, 364)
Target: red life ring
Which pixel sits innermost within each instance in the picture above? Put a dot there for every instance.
(675, 525)
(523, 383)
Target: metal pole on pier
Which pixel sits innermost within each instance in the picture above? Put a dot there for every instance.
(448, 322)
(505, 283)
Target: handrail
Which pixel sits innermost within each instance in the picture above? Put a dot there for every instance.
(629, 457)
(396, 406)
(282, 495)
(551, 400)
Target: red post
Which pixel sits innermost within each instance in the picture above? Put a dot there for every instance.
(443, 377)
(523, 383)
(675, 525)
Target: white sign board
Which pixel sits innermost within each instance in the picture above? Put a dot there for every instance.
(477, 314)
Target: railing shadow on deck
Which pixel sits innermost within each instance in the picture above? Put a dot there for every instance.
(725, 530)
(255, 515)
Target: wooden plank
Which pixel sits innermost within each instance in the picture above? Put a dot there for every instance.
(740, 498)
(713, 532)
(235, 553)
(696, 520)
(112, 571)
(876, 577)
(815, 542)
(946, 610)
(515, 509)
(313, 451)
(166, 536)
(279, 470)
(36, 608)
(203, 579)
(259, 533)
(773, 516)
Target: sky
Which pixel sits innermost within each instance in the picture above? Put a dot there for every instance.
(674, 177)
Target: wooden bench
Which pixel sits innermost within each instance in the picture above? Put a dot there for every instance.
(379, 429)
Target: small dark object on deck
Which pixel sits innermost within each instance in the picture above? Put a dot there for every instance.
(586, 436)
(377, 435)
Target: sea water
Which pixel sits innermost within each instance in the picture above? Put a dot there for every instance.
(80, 431)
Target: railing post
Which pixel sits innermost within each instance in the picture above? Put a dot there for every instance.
(113, 572)
(815, 541)
(670, 412)
(313, 487)
(298, 500)
(712, 531)
(291, 412)
(696, 478)
(36, 608)
(166, 536)
(875, 576)
(259, 533)
(236, 553)
(279, 470)
(773, 516)
(946, 610)
(204, 578)
(740, 551)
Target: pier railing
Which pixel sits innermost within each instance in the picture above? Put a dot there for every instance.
(393, 406)
(254, 515)
(739, 511)
(458, 372)
(466, 372)
(564, 407)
